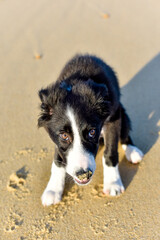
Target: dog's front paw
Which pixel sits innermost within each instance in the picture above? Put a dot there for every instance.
(133, 154)
(50, 197)
(113, 188)
(113, 185)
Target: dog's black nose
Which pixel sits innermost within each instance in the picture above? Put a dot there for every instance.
(84, 174)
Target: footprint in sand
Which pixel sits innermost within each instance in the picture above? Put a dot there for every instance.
(14, 221)
(97, 191)
(17, 183)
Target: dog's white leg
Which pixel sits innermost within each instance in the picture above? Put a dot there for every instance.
(112, 184)
(54, 190)
(133, 154)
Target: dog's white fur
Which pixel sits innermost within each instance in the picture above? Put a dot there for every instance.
(54, 190)
(78, 157)
(112, 184)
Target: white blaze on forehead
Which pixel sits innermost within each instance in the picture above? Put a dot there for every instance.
(74, 126)
(77, 157)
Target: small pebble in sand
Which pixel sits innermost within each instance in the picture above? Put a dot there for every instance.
(38, 56)
(105, 15)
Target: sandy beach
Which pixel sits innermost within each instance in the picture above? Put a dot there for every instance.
(37, 37)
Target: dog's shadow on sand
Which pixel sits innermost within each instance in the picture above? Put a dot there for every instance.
(141, 98)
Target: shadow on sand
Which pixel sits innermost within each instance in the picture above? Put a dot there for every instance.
(141, 98)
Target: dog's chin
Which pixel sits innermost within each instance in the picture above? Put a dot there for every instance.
(82, 182)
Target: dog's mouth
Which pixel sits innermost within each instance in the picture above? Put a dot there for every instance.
(83, 177)
(82, 182)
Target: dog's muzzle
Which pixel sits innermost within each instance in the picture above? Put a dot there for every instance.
(83, 176)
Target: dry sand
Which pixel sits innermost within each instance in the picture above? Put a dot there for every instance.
(36, 38)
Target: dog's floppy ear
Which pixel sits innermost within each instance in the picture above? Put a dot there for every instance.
(46, 108)
(43, 94)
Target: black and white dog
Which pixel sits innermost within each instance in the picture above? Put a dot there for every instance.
(83, 104)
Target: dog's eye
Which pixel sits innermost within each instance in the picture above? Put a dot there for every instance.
(92, 133)
(64, 137)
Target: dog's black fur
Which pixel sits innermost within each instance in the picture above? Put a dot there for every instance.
(91, 87)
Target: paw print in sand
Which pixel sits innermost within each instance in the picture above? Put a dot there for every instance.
(17, 182)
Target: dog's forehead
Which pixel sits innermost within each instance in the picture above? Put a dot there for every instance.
(81, 119)
(67, 116)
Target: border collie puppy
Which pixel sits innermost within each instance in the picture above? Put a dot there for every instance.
(83, 104)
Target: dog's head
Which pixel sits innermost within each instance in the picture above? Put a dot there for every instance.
(73, 115)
